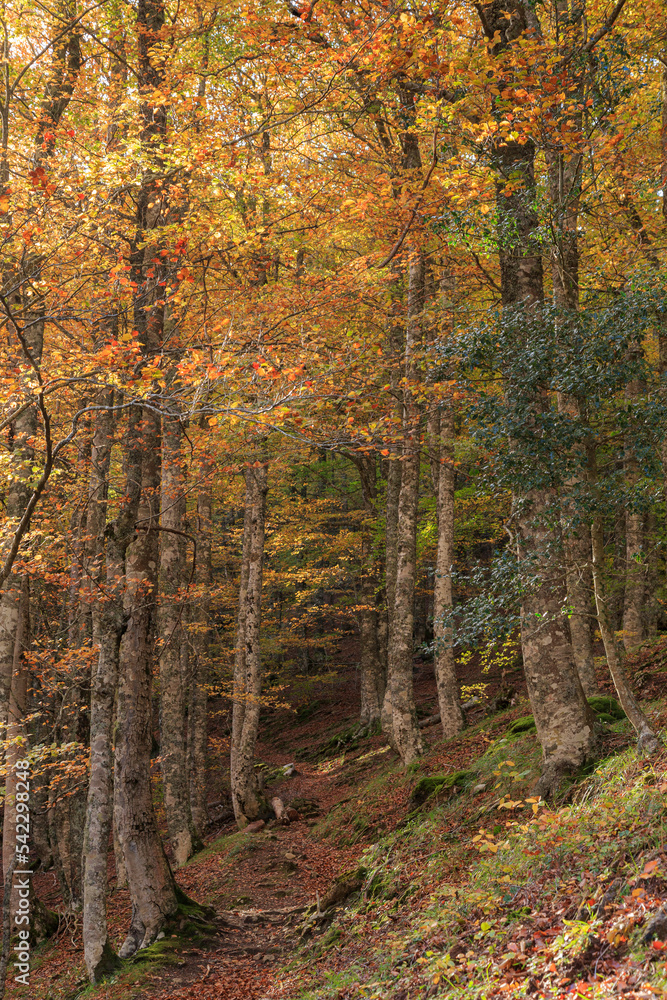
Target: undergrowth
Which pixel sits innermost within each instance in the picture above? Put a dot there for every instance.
(492, 892)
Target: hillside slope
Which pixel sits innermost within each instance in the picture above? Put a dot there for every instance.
(450, 880)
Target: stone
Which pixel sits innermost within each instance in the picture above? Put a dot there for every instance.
(656, 929)
(255, 826)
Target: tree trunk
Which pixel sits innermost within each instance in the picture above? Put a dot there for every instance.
(67, 792)
(649, 742)
(246, 798)
(565, 173)
(394, 470)
(172, 696)
(635, 581)
(563, 718)
(151, 884)
(19, 489)
(197, 737)
(16, 745)
(652, 574)
(371, 669)
(579, 587)
(564, 721)
(444, 476)
(405, 736)
(106, 573)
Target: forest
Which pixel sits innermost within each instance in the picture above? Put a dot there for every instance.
(333, 437)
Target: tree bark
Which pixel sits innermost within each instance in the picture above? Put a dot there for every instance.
(405, 736)
(16, 745)
(444, 478)
(151, 883)
(579, 588)
(197, 722)
(635, 581)
(371, 669)
(106, 573)
(394, 471)
(246, 798)
(182, 834)
(562, 716)
(565, 171)
(564, 721)
(649, 741)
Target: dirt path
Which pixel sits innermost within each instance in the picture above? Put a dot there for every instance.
(260, 888)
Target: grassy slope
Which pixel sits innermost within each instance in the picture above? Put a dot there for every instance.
(488, 894)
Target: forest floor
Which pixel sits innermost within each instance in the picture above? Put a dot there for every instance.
(477, 892)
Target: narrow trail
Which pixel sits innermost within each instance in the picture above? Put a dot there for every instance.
(260, 890)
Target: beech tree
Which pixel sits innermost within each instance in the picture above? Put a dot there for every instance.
(285, 292)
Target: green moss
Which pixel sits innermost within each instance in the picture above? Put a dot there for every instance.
(606, 709)
(345, 740)
(604, 704)
(190, 926)
(526, 724)
(431, 785)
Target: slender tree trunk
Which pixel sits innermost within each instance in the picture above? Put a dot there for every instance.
(652, 572)
(635, 581)
(635, 562)
(444, 478)
(172, 695)
(79, 631)
(371, 669)
(239, 677)
(649, 742)
(197, 736)
(67, 792)
(246, 797)
(405, 736)
(394, 471)
(24, 430)
(16, 746)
